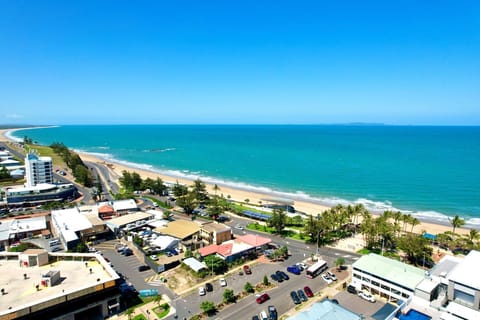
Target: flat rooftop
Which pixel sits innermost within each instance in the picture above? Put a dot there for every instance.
(464, 271)
(392, 270)
(76, 280)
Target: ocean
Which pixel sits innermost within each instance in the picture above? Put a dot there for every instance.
(431, 172)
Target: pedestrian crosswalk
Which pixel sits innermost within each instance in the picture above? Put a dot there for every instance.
(155, 280)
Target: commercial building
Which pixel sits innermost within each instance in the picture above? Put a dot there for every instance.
(241, 246)
(40, 193)
(72, 227)
(36, 284)
(386, 277)
(38, 170)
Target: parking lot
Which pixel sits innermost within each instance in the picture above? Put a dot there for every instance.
(357, 305)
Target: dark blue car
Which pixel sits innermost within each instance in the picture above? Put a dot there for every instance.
(294, 269)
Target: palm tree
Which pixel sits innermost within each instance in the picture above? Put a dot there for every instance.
(473, 235)
(457, 222)
(216, 188)
(414, 222)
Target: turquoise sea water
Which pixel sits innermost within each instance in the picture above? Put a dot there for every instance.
(432, 172)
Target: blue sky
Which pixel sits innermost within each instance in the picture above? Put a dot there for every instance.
(294, 62)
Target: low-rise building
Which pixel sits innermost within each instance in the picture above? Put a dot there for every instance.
(40, 193)
(215, 233)
(386, 277)
(40, 285)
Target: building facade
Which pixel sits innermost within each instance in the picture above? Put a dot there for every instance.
(38, 170)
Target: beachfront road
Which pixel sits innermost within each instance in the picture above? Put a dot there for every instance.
(299, 249)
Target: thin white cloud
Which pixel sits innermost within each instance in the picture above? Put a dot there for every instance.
(14, 116)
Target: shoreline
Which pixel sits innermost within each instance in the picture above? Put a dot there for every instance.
(237, 193)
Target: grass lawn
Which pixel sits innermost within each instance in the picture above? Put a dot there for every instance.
(45, 151)
(139, 317)
(160, 203)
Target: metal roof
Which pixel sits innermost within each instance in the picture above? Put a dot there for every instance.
(392, 270)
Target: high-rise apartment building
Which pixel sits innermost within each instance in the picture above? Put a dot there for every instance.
(38, 169)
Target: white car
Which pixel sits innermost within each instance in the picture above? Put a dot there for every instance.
(154, 257)
(239, 227)
(366, 296)
(326, 278)
(201, 291)
(223, 282)
(332, 276)
(301, 265)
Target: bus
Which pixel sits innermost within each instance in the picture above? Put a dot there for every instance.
(317, 268)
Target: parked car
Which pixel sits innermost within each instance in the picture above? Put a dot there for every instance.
(352, 289)
(247, 269)
(275, 277)
(295, 297)
(326, 278)
(331, 275)
(201, 291)
(301, 265)
(302, 295)
(239, 227)
(282, 275)
(263, 315)
(154, 257)
(308, 291)
(255, 317)
(223, 282)
(294, 269)
(366, 296)
(127, 252)
(262, 298)
(208, 286)
(143, 268)
(272, 313)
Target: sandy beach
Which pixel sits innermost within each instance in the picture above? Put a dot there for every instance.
(235, 193)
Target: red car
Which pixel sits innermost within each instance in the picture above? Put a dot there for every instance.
(261, 299)
(308, 291)
(247, 269)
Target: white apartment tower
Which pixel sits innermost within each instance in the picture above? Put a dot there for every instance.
(38, 169)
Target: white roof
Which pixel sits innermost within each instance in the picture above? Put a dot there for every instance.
(463, 272)
(462, 311)
(68, 221)
(5, 229)
(28, 224)
(164, 242)
(38, 187)
(9, 161)
(428, 285)
(158, 223)
(124, 205)
(194, 264)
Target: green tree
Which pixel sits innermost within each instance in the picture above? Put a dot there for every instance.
(265, 280)
(159, 187)
(229, 295)
(215, 263)
(179, 190)
(199, 191)
(157, 299)
(208, 307)
(415, 247)
(248, 287)
(188, 253)
(215, 208)
(339, 262)
(457, 222)
(4, 174)
(187, 202)
(278, 220)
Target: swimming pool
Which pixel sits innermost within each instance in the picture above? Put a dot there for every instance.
(414, 315)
